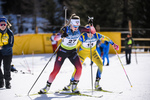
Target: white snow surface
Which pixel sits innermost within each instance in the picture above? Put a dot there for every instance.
(113, 79)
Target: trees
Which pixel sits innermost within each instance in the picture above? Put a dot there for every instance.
(106, 13)
(109, 14)
(17, 6)
(141, 17)
(52, 11)
(49, 9)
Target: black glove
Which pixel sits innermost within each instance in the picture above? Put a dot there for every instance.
(64, 35)
(90, 21)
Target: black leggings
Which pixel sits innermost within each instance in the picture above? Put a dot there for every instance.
(128, 56)
(6, 66)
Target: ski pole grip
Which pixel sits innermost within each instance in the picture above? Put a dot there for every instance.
(90, 20)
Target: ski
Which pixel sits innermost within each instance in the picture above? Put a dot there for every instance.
(79, 94)
(63, 93)
(120, 92)
(40, 94)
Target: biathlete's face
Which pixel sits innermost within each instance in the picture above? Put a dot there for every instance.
(75, 23)
(74, 27)
(3, 25)
(90, 35)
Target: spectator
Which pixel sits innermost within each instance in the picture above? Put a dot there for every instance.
(128, 48)
(54, 43)
(105, 47)
(6, 44)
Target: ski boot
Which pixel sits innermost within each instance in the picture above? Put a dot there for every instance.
(1, 83)
(97, 86)
(45, 89)
(74, 87)
(107, 64)
(68, 87)
(7, 84)
(13, 69)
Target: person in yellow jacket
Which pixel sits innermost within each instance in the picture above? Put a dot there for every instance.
(84, 52)
(6, 53)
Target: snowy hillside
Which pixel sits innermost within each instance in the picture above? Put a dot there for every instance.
(113, 79)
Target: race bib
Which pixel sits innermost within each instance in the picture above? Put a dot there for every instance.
(71, 40)
(87, 43)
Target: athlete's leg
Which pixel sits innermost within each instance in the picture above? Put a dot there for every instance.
(83, 55)
(98, 74)
(129, 56)
(75, 60)
(98, 61)
(107, 57)
(104, 56)
(61, 56)
(126, 54)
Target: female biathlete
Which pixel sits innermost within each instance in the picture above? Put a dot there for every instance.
(67, 49)
(84, 52)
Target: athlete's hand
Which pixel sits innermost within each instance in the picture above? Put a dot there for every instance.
(57, 37)
(116, 46)
(93, 31)
(90, 21)
(64, 35)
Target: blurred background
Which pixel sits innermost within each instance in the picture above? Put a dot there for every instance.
(46, 16)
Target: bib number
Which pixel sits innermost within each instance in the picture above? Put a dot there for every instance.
(89, 44)
(72, 41)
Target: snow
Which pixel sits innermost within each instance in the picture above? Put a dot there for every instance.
(113, 78)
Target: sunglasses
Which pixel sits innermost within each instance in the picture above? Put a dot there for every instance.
(75, 26)
(2, 24)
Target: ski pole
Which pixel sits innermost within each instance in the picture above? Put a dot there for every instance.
(123, 68)
(91, 18)
(44, 69)
(65, 15)
(136, 56)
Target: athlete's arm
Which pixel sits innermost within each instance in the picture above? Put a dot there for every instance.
(61, 34)
(87, 30)
(102, 37)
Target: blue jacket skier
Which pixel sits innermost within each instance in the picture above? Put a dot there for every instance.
(105, 47)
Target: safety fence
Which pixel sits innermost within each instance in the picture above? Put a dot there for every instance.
(41, 43)
(138, 48)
